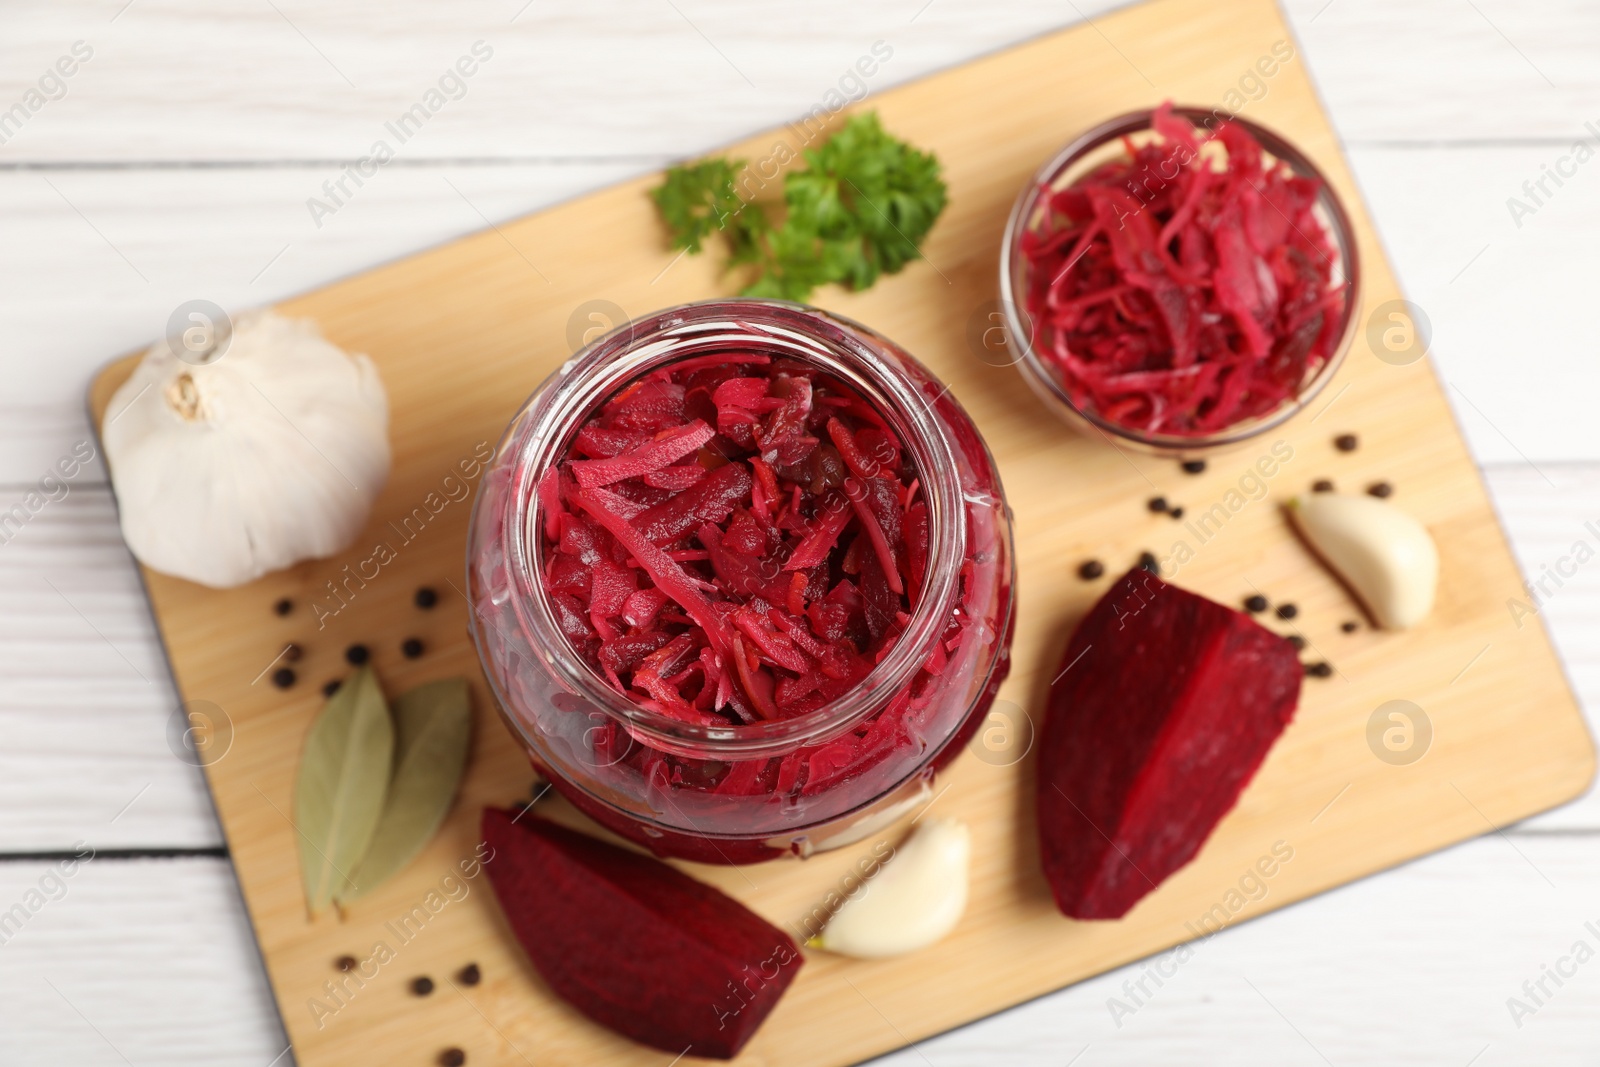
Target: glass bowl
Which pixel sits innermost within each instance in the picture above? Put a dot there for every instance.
(1094, 148)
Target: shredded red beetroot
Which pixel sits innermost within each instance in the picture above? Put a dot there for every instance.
(1176, 293)
(735, 540)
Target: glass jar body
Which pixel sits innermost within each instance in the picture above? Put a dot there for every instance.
(747, 793)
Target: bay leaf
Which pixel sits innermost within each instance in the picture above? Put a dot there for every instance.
(434, 724)
(339, 794)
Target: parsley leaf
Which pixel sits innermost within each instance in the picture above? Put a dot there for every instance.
(860, 209)
(698, 200)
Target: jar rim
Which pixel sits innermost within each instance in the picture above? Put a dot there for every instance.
(838, 345)
(1048, 385)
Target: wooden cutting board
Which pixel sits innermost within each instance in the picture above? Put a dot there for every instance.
(463, 333)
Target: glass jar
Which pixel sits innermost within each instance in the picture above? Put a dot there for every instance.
(1083, 155)
(743, 793)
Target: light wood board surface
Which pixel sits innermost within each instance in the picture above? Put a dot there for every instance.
(488, 316)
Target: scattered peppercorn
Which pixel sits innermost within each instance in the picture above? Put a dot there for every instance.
(1297, 641)
(1287, 611)
(1148, 561)
(1176, 513)
(1255, 604)
(1319, 670)
(293, 652)
(1381, 490)
(345, 963)
(283, 677)
(411, 648)
(1091, 569)
(469, 975)
(1157, 504)
(1194, 466)
(1346, 442)
(283, 606)
(426, 598)
(1350, 626)
(452, 1057)
(356, 655)
(330, 688)
(422, 986)
(1322, 485)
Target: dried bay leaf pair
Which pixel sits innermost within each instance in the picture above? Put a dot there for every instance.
(373, 788)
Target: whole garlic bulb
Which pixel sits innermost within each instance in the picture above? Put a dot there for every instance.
(271, 454)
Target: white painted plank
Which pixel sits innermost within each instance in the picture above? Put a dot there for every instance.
(1410, 968)
(1441, 70)
(91, 751)
(185, 80)
(1510, 304)
(619, 78)
(1554, 529)
(98, 262)
(1413, 967)
(131, 962)
(95, 262)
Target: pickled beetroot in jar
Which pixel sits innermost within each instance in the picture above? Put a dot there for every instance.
(743, 579)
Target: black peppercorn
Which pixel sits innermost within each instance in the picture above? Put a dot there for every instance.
(330, 688)
(1322, 485)
(1091, 569)
(411, 648)
(422, 986)
(283, 606)
(1346, 442)
(1255, 604)
(1287, 611)
(1148, 561)
(1297, 641)
(469, 975)
(1319, 670)
(283, 677)
(426, 598)
(356, 655)
(292, 653)
(1381, 490)
(345, 963)
(1350, 626)
(1157, 504)
(452, 1057)
(1194, 466)
(1176, 513)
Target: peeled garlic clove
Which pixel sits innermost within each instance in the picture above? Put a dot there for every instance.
(915, 899)
(1386, 557)
(270, 454)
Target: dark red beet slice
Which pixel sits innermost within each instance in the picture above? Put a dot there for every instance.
(1167, 704)
(634, 944)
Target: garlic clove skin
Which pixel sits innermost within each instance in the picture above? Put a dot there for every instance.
(1385, 556)
(268, 456)
(915, 899)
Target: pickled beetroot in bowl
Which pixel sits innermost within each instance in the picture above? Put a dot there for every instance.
(1189, 284)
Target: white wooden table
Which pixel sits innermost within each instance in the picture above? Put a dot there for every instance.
(176, 162)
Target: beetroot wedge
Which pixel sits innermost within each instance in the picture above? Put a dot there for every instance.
(634, 944)
(1166, 705)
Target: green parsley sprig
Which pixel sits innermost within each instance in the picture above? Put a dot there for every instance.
(859, 209)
